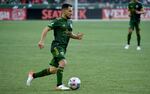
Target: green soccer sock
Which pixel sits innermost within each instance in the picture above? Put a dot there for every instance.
(59, 76)
(138, 39)
(42, 73)
(129, 38)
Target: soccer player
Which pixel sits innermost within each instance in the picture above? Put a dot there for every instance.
(135, 9)
(62, 28)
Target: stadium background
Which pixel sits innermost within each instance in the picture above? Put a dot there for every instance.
(99, 60)
(47, 9)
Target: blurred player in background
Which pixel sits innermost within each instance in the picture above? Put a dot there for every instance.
(135, 9)
(62, 28)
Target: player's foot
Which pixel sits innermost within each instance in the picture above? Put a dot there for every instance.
(126, 47)
(138, 48)
(30, 78)
(62, 87)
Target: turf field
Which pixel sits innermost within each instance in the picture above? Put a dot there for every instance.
(99, 60)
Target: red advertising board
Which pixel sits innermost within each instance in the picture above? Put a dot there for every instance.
(23, 14)
(121, 14)
(82, 14)
(12, 14)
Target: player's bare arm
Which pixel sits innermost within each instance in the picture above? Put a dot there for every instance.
(77, 36)
(129, 13)
(43, 36)
(142, 11)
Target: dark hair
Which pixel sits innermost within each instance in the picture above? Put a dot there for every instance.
(64, 6)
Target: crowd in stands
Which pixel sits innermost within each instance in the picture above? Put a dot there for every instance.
(62, 1)
(113, 1)
(30, 1)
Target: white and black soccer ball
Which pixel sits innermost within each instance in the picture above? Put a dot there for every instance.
(74, 83)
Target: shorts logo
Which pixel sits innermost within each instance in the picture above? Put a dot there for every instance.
(62, 53)
(51, 24)
(71, 25)
(136, 6)
(64, 25)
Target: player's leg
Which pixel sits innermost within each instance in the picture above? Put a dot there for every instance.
(42, 73)
(61, 67)
(45, 72)
(138, 36)
(129, 35)
(51, 70)
(130, 30)
(60, 62)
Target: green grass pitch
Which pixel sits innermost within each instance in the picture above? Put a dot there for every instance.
(99, 60)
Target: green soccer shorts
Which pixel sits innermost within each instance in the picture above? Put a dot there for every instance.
(58, 54)
(133, 24)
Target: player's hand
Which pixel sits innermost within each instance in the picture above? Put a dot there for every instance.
(41, 44)
(80, 36)
(129, 14)
(138, 12)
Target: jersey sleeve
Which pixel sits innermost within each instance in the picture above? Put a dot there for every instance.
(70, 26)
(141, 6)
(52, 24)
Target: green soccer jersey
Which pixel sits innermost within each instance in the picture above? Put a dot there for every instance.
(61, 27)
(132, 7)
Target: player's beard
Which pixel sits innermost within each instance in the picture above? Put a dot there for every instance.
(68, 17)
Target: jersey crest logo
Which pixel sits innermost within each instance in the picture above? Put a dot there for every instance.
(63, 25)
(51, 23)
(71, 25)
(62, 53)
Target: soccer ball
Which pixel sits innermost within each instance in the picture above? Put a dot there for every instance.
(74, 83)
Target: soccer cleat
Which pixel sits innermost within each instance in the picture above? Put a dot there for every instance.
(30, 78)
(138, 48)
(62, 87)
(126, 47)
